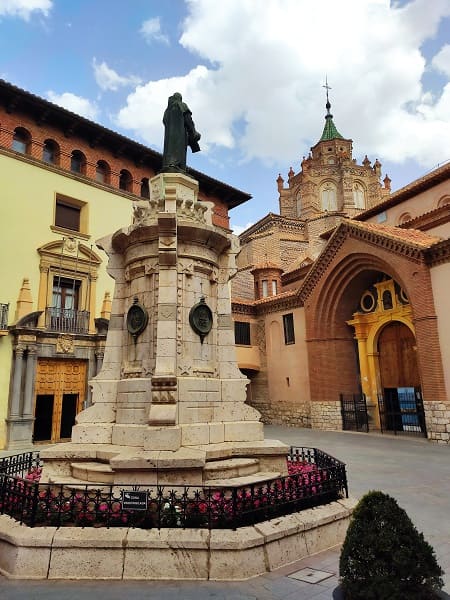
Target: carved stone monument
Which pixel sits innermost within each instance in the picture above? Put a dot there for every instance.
(169, 402)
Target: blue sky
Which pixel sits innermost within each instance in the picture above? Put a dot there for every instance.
(252, 72)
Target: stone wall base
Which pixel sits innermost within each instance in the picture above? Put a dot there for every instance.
(437, 415)
(326, 415)
(169, 554)
(290, 415)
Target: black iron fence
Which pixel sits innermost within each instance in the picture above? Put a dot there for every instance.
(67, 320)
(354, 412)
(20, 464)
(315, 479)
(402, 412)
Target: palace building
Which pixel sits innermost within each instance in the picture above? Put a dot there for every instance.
(339, 301)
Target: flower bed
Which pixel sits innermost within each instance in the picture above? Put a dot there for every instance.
(314, 478)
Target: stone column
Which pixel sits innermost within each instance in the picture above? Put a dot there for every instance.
(29, 382)
(17, 382)
(99, 354)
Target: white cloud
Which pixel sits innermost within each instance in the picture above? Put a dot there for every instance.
(108, 79)
(238, 229)
(77, 104)
(24, 8)
(263, 94)
(151, 31)
(441, 61)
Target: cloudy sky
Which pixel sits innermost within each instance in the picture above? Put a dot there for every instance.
(252, 73)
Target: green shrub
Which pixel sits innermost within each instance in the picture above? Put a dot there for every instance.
(384, 557)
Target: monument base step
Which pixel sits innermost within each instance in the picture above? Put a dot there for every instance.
(92, 471)
(248, 480)
(232, 467)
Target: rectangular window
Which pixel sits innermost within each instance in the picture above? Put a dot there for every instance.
(71, 214)
(265, 288)
(274, 287)
(242, 333)
(67, 216)
(288, 326)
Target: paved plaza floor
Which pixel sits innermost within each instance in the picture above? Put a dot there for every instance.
(414, 471)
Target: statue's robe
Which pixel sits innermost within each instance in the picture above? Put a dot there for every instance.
(179, 134)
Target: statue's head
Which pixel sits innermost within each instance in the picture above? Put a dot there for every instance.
(176, 97)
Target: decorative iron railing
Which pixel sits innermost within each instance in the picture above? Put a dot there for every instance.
(4, 309)
(316, 479)
(402, 412)
(19, 464)
(67, 320)
(354, 412)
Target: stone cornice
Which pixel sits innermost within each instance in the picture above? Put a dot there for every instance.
(438, 254)
(382, 239)
(270, 220)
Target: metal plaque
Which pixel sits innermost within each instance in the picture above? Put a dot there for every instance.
(133, 500)
(137, 319)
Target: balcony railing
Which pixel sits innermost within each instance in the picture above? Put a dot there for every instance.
(67, 320)
(4, 308)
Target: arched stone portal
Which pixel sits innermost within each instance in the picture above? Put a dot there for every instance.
(356, 256)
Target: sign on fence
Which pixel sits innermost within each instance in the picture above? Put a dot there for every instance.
(132, 500)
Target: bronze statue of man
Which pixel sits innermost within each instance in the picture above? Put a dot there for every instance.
(179, 133)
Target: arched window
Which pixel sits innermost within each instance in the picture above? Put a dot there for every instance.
(404, 218)
(78, 162)
(21, 140)
(145, 189)
(328, 197)
(50, 152)
(125, 180)
(358, 195)
(444, 201)
(102, 172)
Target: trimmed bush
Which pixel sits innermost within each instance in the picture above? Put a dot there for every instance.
(384, 557)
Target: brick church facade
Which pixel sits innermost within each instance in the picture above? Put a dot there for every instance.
(343, 297)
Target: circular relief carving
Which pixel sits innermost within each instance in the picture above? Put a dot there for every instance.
(137, 319)
(201, 319)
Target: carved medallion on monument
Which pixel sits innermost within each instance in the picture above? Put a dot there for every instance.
(201, 319)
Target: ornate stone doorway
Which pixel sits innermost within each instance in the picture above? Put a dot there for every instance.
(60, 391)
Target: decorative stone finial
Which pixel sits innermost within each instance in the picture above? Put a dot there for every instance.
(106, 306)
(280, 182)
(24, 300)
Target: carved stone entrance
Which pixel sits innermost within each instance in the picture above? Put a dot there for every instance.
(60, 391)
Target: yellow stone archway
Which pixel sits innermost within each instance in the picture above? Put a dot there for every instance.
(374, 313)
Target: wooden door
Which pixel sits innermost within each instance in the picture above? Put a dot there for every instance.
(397, 357)
(60, 391)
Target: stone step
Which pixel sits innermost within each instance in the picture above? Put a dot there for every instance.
(73, 483)
(229, 468)
(92, 471)
(247, 480)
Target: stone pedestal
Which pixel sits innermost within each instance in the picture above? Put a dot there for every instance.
(167, 393)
